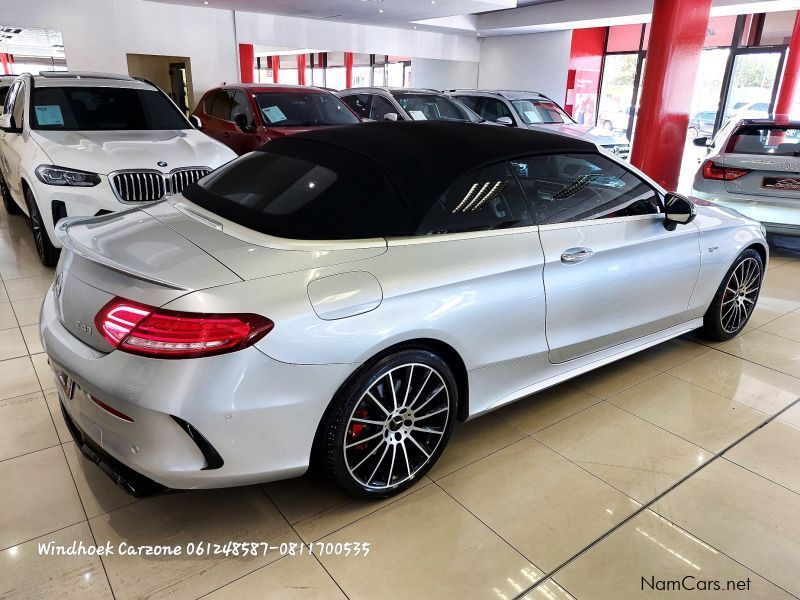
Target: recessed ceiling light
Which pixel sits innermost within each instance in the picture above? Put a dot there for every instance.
(380, 10)
(433, 1)
(205, 2)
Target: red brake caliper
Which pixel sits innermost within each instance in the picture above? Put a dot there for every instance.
(357, 428)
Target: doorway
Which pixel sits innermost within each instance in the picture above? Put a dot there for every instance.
(173, 74)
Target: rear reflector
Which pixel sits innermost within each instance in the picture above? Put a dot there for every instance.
(110, 409)
(159, 333)
(712, 170)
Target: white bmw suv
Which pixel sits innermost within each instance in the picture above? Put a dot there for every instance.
(84, 144)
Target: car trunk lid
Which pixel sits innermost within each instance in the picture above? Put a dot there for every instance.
(776, 176)
(128, 254)
(253, 255)
(763, 159)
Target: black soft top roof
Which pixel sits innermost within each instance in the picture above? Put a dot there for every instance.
(423, 158)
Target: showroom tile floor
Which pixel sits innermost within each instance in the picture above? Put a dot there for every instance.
(680, 461)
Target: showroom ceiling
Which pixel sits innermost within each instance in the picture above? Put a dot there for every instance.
(393, 13)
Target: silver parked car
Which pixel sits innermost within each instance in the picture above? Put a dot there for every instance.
(753, 166)
(406, 104)
(344, 296)
(533, 110)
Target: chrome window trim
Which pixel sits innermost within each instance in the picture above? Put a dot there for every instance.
(600, 221)
(166, 177)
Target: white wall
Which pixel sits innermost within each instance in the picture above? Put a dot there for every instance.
(443, 74)
(99, 33)
(292, 32)
(535, 62)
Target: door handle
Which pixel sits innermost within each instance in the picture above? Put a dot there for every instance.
(575, 255)
(226, 135)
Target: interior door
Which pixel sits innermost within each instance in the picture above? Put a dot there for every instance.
(612, 272)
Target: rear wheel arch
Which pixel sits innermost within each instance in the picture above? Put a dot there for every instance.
(444, 350)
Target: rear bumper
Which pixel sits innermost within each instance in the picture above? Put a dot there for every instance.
(257, 415)
(779, 215)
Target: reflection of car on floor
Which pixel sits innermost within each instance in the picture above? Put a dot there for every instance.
(344, 295)
(753, 166)
(246, 116)
(702, 123)
(533, 110)
(82, 144)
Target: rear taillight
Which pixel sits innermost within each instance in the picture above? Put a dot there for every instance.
(712, 170)
(159, 333)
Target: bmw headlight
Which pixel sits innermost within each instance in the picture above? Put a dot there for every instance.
(52, 175)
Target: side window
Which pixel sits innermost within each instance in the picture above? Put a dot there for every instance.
(221, 109)
(488, 198)
(19, 104)
(241, 106)
(208, 102)
(471, 102)
(493, 109)
(359, 103)
(579, 187)
(379, 107)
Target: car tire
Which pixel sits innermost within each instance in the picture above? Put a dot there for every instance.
(389, 423)
(736, 298)
(693, 133)
(48, 253)
(8, 202)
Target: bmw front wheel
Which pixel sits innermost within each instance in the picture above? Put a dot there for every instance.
(736, 297)
(390, 424)
(48, 253)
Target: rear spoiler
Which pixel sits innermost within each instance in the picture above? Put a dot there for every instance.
(68, 242)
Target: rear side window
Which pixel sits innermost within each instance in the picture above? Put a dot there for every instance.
(221, 107)
(581, 187)
(471, 102)
(771, 140)
(486, 199)
(322, 196)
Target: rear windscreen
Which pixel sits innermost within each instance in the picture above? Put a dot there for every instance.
(306, 191)
(770, 140)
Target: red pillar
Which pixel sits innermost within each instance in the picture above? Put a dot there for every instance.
(788, 89)
(348, 69)
(276, 67)
(6, 60)
(301, 69)
(247, 60)
(677, 34)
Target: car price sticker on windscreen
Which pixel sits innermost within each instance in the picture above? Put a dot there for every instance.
(273, 114)
(49, 115)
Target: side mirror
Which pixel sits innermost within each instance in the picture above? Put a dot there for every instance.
(7, 124)
(195, 121)
(390, 117)
(701, 141)
(505, 121)
(242, 122)
(679, 209)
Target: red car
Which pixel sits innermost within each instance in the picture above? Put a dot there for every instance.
(246, 116)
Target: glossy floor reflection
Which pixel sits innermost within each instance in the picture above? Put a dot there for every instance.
(556, 491)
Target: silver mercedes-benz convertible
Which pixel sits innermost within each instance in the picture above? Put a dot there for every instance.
(342, 297)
